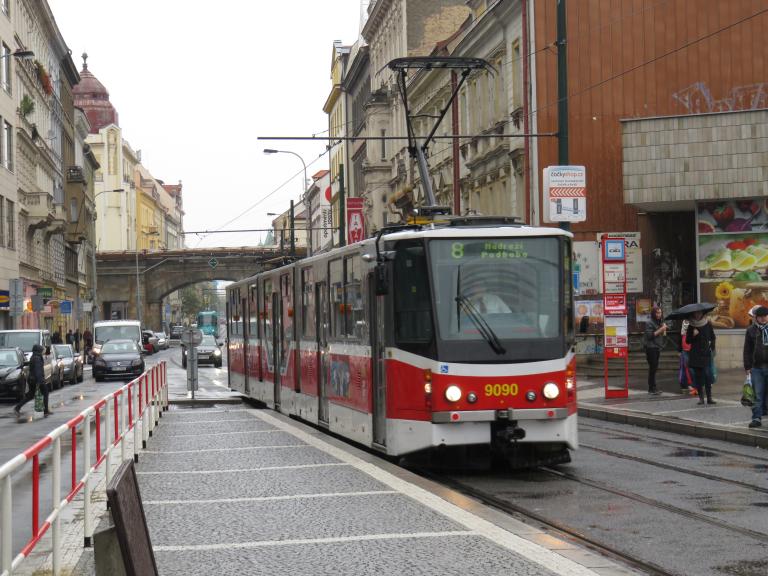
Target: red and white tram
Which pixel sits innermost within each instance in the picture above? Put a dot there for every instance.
(444, 334)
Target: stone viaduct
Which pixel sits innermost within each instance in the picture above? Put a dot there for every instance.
(162, 272)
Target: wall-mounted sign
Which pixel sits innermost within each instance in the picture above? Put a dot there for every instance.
(355, 220)
(565, 189)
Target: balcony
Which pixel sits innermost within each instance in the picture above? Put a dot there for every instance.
(42, 213)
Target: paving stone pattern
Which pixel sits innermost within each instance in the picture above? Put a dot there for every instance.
(236, 495)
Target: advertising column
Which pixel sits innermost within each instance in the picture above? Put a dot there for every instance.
(616, 336)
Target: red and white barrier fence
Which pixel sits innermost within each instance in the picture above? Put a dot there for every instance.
(141, 401)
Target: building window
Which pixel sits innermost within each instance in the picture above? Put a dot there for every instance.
(5, 67)
(2, 221)
(73, 215)
(5, 6)
(10, 213)
(517, 76)
(7, 146)
(383, 145)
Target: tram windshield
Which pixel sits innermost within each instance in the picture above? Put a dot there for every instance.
(498, 299)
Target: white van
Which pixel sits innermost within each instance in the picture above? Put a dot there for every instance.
(25, 339)
(114, 330)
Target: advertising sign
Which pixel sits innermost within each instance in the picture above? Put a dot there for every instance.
(586, 263)
(46, 293)
(733, 259)
(588, 316)
(565, 189)
(5, 300)
(355, 221)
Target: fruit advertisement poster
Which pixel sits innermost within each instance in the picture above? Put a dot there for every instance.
(733, 259)
(589, 316)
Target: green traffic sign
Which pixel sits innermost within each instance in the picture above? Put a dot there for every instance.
(213, 263)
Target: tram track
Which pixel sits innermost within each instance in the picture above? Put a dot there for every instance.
(672, 467)
(555, 528)
(693, 445)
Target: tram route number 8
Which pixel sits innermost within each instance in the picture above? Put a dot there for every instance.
(501, 390)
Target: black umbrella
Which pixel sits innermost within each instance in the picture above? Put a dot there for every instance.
(688, 309)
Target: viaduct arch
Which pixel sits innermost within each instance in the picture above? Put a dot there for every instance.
(163, 272)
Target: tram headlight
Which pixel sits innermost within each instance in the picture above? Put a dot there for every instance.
(453, 393)
(550, 391)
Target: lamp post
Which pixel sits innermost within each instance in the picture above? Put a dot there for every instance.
(95, 309)
(269, 151)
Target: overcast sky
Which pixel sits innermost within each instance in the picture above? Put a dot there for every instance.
(195, 83)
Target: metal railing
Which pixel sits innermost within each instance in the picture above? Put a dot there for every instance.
(141, 401)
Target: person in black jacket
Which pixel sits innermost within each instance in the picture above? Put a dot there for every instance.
(701, 337)
(756, 361)
(654, 339)
(36, 378)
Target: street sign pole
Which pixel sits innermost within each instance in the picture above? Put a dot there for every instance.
(191, 338)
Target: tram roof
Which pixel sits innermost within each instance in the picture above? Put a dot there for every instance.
(429, 230)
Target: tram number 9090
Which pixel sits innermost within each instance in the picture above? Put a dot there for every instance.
(498, 390)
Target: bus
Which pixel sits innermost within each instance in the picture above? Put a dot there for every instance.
(208, 322)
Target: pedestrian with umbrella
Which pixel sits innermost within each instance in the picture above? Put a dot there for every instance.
(701, 336)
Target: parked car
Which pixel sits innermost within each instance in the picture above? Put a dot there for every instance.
(71, 363)
(208, 352)
(149, 341)
(25, 339)
(57, 378)
(118, 358)
(14, 373)
(162, 341)
(176, 332)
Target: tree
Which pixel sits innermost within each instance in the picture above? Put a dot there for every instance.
(191, 302)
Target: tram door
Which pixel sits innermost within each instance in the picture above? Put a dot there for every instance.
(323, 359)
(376, 323)
(277, 338)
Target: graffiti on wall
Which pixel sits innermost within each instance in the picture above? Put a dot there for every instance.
(697, 98)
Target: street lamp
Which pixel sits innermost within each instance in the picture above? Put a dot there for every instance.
(20, 54)
(269, 151)
(95, 309)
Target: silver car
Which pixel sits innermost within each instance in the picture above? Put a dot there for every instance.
(162, 341)
(70, 363)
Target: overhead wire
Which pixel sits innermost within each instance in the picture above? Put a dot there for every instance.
(554, 102)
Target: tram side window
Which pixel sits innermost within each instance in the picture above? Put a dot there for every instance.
(307, 304)
(266, 294)
(568, 316)
(286, 327)
(354, 313)
(413, 306)
(253, 313)
(236, 319)
(336, 286)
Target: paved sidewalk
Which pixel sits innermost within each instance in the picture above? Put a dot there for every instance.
(230, 490)
(726, 420)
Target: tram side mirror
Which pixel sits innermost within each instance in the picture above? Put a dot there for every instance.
(382, 279)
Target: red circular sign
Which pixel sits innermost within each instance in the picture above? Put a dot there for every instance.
(328, 193)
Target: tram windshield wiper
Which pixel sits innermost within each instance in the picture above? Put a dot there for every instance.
(480, 323)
